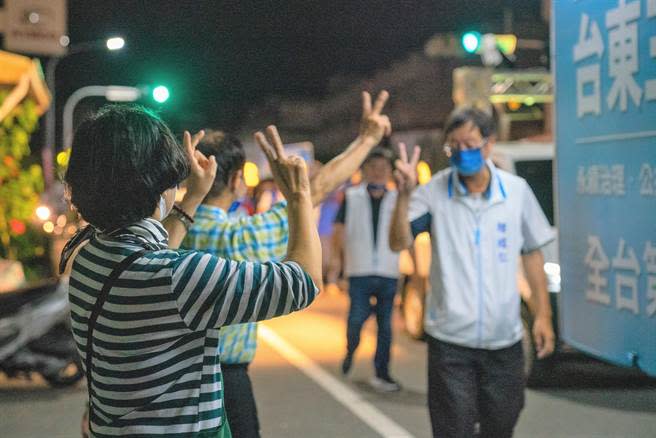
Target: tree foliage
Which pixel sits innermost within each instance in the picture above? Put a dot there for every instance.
(21, 182)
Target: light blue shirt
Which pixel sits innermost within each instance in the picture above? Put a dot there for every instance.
(476, 240)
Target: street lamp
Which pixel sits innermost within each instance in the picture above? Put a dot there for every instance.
(116, 43)
(47, 153)
(112, 93)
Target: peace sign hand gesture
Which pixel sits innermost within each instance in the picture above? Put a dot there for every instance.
(373, 124)
(406, 171)
(289, 173)
(202, 169)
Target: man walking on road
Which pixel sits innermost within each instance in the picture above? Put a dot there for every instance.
(360, 236)
(480, 219)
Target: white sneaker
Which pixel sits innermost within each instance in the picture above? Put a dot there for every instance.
(384, 384)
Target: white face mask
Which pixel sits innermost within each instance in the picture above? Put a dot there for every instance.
(163, 211)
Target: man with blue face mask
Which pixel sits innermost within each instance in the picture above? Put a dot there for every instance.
(481, 219)
(372, 268)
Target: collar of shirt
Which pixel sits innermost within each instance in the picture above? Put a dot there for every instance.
(211, 212)
(262, 237)
(147, 232)
(495, 192)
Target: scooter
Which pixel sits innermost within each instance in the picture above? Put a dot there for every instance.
(35, 335)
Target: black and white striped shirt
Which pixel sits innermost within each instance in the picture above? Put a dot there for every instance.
(155, 365)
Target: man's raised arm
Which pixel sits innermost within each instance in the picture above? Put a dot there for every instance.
(373, 126)
(405, 175)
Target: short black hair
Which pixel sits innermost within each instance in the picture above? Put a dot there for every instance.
(122, 159)
(381, 152)
(460, 116)
(229, 154)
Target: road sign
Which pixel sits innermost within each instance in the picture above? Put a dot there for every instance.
(35, 26)
(605, 73)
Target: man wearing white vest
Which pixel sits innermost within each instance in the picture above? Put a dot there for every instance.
(372, 268)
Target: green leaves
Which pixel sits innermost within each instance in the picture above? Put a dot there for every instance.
(21, 180)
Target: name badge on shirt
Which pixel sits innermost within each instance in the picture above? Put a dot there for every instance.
(502, 242)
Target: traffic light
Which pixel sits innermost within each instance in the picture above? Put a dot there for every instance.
(474, 42)
(161, 94)
(507, 43)
(494, 49)
(471, 41)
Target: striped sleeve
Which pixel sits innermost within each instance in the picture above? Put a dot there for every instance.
(212, 292)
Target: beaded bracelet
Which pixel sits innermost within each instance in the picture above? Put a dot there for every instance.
(184, 213)
(182, 216)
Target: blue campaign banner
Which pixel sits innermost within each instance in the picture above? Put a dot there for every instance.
(604, 57)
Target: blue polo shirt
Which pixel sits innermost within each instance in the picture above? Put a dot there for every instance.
(476, 241)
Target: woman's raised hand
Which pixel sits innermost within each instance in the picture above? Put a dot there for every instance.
(203, 169)
(289, 172)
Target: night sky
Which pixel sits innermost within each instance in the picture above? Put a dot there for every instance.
(220, 58)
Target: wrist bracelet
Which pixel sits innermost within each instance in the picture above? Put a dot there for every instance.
(183, 217)
(184, 213)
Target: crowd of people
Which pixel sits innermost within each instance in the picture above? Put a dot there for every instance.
(165, 296)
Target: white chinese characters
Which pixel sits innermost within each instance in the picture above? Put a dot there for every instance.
(623, 53)
(647, 180)
(626, 260)
(622, 24)
(625, 267)
(589, 45)
(597, 261)
(650, 85)
(601, 180)
(650, 262)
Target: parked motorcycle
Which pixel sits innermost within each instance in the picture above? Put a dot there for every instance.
(35, 335)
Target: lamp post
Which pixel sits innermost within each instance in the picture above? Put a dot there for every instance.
(47, 152)
(112, 93)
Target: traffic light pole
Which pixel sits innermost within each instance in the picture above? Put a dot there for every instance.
(112, 93)
(48, 150)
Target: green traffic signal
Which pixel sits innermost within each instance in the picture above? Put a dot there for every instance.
(161, 94)
(471, 41)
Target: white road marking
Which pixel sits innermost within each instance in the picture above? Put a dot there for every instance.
(354, 402)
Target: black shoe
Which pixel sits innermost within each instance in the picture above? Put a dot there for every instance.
(346, 365)
(384, 384)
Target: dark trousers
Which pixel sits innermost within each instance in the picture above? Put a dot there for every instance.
(469, 385)
(361, 289)
(239, 401)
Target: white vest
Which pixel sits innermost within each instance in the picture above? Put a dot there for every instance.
(360, 256)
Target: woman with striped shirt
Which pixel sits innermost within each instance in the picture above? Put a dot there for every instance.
(153, 365)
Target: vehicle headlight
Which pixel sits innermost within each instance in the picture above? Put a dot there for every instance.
(552, 271)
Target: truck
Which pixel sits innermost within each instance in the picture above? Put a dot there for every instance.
(604, 57)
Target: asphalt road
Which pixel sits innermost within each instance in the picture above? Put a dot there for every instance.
(301, 393)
